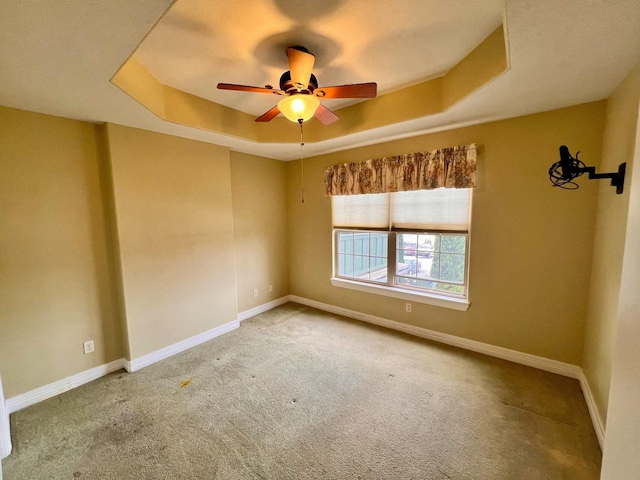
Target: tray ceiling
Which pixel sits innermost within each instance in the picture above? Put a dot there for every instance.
(199, 43)
(58, 57)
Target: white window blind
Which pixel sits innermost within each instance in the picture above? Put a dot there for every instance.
(439, 209)
(361, 211)
(445, 209)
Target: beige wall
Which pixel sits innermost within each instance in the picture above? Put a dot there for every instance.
(55, 285)
(175, 230)
(530, 243)
(622, 442)
(125, 237)
(609, 240)
(259, 196)
(185, 210)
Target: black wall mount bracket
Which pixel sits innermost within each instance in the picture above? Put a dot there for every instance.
(564, 171)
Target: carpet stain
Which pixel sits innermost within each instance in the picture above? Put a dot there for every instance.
(444, 473)
(359, 420)
(186, 382)
(122, 428)
(566, 460)
(571, 424)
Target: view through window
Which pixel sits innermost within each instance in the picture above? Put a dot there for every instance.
(418, 260)
(415, 241)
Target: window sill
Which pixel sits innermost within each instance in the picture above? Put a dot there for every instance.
(418, 297)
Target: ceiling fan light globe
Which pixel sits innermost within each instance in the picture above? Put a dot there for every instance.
(299, 107)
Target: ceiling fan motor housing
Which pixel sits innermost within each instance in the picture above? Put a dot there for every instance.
(286, 84)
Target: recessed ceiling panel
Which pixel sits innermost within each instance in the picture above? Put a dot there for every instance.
(199, 43)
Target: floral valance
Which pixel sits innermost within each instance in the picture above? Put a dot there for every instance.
(453, 167)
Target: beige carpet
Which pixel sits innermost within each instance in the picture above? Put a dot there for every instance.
(296, 393)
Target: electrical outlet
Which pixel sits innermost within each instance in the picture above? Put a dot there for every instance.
(89, 347)
(271, 288)
(407, 307)
(255, 292)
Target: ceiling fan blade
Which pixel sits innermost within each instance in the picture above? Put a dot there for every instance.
(247, 88)
(270, 115)
(325, 115)
(356, 90)
(300, 66)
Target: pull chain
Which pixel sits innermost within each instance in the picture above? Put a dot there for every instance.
(301, 158)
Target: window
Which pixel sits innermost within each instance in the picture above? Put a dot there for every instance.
(432, 261)
(416, 242)
(363, 255)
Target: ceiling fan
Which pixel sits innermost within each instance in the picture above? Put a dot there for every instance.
(299, 86)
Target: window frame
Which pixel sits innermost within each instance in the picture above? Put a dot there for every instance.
(464, 284)
(391, 287)
(336, 253)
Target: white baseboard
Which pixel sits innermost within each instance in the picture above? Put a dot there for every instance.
(42, 393)
(166, 352)
(263, 308)
(47, 391)
(39, 394)
(5, 430)
(598, 425)
(554, 366)
(546, 364)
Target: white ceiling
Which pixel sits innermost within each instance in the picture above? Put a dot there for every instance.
(57, 57)
(199, 43)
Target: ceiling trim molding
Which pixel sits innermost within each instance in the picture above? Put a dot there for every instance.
(482, 65)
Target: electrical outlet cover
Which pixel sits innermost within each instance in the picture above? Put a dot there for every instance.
(89, 347)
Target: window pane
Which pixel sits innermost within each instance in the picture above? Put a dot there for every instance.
(408, 242)
(436, 243)
(378, 244)
(426, 243)
(378, 268)
(434, 271)
(360, 266)
(426, 264)
(427, 261)
(406, 254)
(345, 264)
(436, 265)
(361, 243)
(430, 285)
(454, 243)
(361, 253)
(406, 263)
(407, 239)
(417, 283)
(452, 267)
(446, 287)
(345, 242)
(410, 282)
